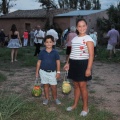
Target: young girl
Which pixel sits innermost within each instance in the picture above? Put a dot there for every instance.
(14, 42)
(79, 65)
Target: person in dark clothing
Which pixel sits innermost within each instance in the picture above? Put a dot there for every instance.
(38, 38)
(2, 37)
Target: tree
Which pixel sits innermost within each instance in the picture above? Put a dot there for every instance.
(113, 18)
(48, 4)
(96, 4)
(80, 4)
(5, 6)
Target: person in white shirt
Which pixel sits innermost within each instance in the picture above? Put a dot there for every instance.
(79, 65)
(54, 34)
(39, 35)
(94, 37)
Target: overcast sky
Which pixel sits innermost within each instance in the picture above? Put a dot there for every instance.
(33, 4)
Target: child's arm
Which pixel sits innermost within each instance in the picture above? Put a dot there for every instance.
(37, 68)
(58, 69)
(19, 38)
(66, 66)
(90, 46)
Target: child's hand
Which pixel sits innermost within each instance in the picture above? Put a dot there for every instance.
(66, 67)
(88, 73)
(57, 75)
(37, 75)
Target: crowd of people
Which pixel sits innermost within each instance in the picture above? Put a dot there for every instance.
(80, 52)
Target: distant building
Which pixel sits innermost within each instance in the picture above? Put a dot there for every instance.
(68, 19)
(63, 18)
(27, 19)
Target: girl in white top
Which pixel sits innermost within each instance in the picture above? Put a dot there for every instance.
(79, 65)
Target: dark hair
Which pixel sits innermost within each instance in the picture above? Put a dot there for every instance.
(82, 19)
(112, 26)
(78, 20)
(49, 37)
(13, 28)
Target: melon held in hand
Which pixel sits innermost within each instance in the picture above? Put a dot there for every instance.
(66, 87)
(36, 91)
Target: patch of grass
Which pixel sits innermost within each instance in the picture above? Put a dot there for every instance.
(25, 58)
(34, 111)
(94, 113)
(2, 77)
(9, 105)
(102, 55)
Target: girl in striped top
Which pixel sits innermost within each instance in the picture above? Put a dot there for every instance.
(79, 65)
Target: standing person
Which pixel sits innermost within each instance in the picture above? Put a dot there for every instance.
(114, 38)
(2, 37)
(94, 37)
(32, 37)
(63, 39)
(48, 67)
(79, 65)
(70, 36)
(25, 36)
(39, 35)
(54, 34)
(14, 42)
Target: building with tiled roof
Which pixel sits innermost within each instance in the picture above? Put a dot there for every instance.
(28, 19)
(62, 18)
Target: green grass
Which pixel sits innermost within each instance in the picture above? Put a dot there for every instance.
(2, 77)
(14, 107)
(102, 55)
(25, 58)
(9, 105)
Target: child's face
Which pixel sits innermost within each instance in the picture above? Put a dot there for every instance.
(49, 43)
(82, 27)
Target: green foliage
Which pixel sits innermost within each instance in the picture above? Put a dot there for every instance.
(105, 24)
(113, 18)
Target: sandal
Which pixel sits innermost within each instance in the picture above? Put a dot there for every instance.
(84, 113)
(69, 109)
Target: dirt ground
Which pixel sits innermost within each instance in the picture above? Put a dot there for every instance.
(104, 88)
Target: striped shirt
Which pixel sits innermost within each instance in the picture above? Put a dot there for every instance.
(79, 49)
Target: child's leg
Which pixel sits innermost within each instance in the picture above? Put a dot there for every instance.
(16, 51)
(12, 54)
(46, 91)
(54, 91)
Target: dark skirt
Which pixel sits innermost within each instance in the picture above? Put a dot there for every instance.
(77, 70)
